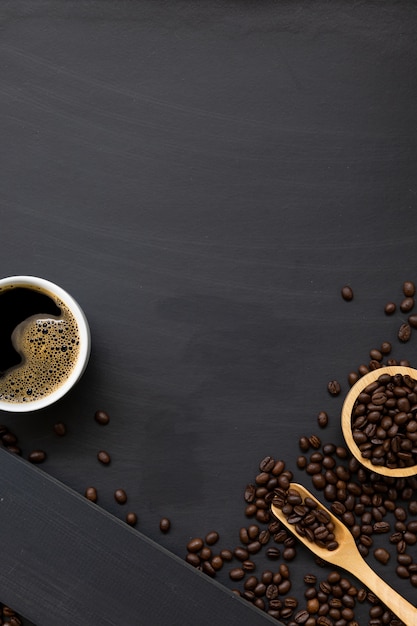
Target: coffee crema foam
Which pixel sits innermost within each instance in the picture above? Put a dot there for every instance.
(49, 347)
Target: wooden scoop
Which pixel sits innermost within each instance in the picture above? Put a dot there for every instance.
(347, 556)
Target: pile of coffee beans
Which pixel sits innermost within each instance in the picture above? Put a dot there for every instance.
(309, 520)
(384, 421)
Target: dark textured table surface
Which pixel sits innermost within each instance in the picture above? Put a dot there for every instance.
(203, 178)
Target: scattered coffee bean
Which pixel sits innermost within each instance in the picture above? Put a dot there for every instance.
(322, 419)
(195, 544)
(102, 417)
(164, 525)
(334, 388)
(131, 519)
(37, 456)
(347, 293)
(211, 538)
(390, 308)
(407, 304)
(404, 332)
(120, 496)
(60, 429)
(409, 289)
(91, 494)
(382, 555)
(104, 457)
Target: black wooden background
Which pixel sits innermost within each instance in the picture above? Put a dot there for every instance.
(203, 178)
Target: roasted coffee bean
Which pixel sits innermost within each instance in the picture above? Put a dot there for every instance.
(211, 538)
(273, 553)
(237, 573)
(217, 562)
(407, 304)
(102, 417)
(301, 617)
(249, 494)
(60, 429)
(91, 494)
(104, 457)
(390, 308)
(164, 524)
(409, 289)
(382, 555)
(412, 320)
(120, 496)
(404, 332)
(322, 419)
(347, 293)
(226, 555)
(195, 545)
(267, 464)
(334, 388)
(37, 456)
(241, 553)
(131, 519)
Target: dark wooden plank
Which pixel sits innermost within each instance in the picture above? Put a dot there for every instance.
(67, 561)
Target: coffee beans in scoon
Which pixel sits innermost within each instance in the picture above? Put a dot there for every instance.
(384, 421)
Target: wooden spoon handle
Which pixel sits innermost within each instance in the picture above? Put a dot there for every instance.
(405, 611)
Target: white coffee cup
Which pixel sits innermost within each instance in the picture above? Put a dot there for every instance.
(73, 367)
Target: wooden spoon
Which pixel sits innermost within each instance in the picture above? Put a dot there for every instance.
(347, 556)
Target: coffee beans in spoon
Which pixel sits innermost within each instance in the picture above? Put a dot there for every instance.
(384, 421)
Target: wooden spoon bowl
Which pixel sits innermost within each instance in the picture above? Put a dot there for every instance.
(346, 419)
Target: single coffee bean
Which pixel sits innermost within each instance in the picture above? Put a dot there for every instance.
(195, 544)
(412, 320)
(131, 519)
(409, 289)
(347, 293)
(407, 304)
(37, 456)
(382, 555)
(60, 429)
(120, 496)
(164, 525)
(226, 555)
(104, 457)
(211, 538)
(91, 494)
(390, 308)
(301, 617)
(334, 388)
(237, 573)
(267, 464)
(404, 332)
(322, 419)
(217, 562)
(102, 417)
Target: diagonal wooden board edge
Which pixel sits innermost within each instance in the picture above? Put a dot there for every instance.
(65, 560)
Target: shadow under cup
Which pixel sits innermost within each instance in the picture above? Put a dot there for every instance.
(45, 343)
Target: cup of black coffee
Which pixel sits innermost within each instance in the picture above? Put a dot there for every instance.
(44, 343)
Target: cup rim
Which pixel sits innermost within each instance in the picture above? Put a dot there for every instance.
(85, 342)
(346, 415)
